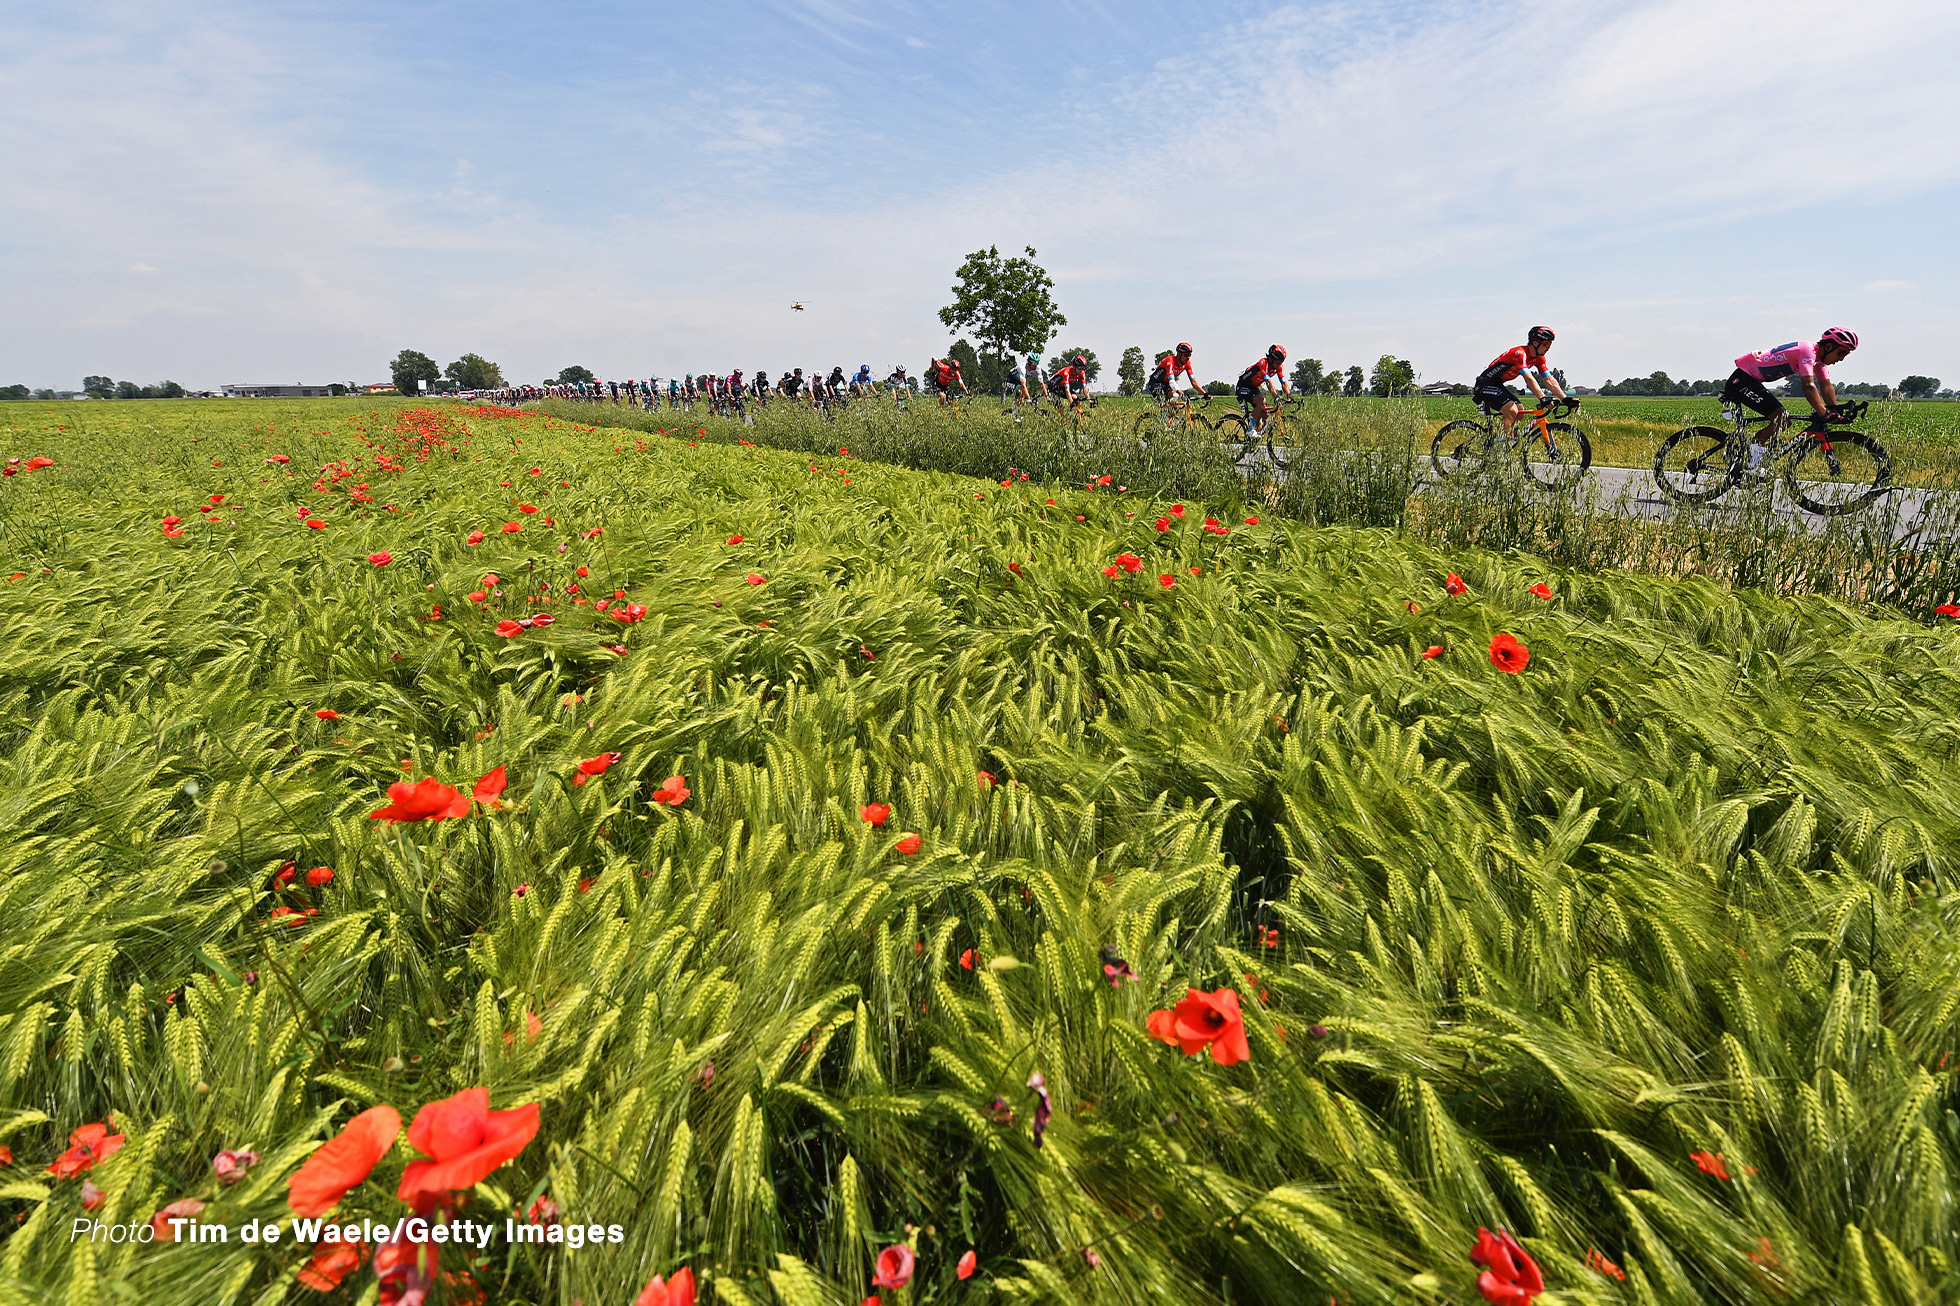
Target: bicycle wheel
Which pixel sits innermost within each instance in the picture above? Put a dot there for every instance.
(1147, 427)
(1695, 464)
(1456, 444)
(1561, 462)
(1831, 473)
(1231, 430)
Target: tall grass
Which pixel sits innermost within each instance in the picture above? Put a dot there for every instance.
(1685, 884)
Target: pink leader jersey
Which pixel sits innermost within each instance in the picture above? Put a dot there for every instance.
(1799, 357)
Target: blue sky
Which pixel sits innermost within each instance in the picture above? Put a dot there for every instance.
(219, 193)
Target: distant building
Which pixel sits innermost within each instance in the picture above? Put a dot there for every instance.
(300, 391)
(380, 388)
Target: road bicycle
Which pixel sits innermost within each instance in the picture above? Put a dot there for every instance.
(1555, 454)
(1174, 415)
(1240, 426)
(1828, 472)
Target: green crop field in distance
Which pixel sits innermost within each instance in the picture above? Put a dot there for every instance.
(1638, 945)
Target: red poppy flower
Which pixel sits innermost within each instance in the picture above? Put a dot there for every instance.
(967, 1264)
(36, 464)
(488, 788)
(509, 628)
(1211, 1020)
(284, 875)
(1115, 969)
(541, 619)
(985, 779)
(280, 458)
(1512, 1278)
(382, 558)
(327, 714)
(86, 1146)
(909, 843)
(1177, 510)
(172, 521)
(755, 579)
(1597, 1262)
(527, 507)
(1453, 585)
(1110, 570)
(1129, 562)
(343, 1163)
(677, 1291)
(895, 1265)
(1947, 610)
(672, 792)
(1542, 590)
(966, 959)
(1269, 936)
(183, 1209)
(319, 876)
(875, 814)
(92, 1197)
(1710, 1164)
(1433, 651)
(475, 537)
(466, 1141)
(511, 528)
(1506, 654)
(331, 1263)
(315, 524)
(1252, 521)
(428, 799)
(1167, 580)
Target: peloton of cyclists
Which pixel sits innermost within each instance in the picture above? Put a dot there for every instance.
(1491, 392)
(1748, 385)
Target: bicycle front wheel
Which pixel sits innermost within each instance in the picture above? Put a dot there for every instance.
(1694, 464)
(1560, 460)
(1456, 444)
(1836, 473)
(1231, 429)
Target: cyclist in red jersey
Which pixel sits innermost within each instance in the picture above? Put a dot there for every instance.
(1163, 377)
(1070, 382)
(944, 374)
(1256, 380)
(1528, 360)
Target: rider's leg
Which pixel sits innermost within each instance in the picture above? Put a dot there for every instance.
(1745, 391)
(1511, 412)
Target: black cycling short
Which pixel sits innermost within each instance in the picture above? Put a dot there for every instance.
(1247, 393)
(1746, 390)
(1157, 388)
(1495, 395)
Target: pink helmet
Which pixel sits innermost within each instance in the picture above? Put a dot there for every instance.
(1839, 336)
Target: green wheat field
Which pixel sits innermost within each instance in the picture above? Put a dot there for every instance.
(1646, 950)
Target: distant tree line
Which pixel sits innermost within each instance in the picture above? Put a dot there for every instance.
(470, 372)
(1660, 383)
(102, 387)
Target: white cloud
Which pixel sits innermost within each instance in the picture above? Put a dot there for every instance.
(143, 269)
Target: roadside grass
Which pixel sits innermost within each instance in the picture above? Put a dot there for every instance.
(1511, 948)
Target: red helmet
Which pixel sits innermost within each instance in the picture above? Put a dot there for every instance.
(1541, 335)
(1839, 336)
(1183, 347)
(1078, 361)
(1278, 352)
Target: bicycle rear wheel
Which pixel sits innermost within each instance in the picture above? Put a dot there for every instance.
(1837, 472)
(1562, 461)
(1457, 443)
(1694, 464)
(1231, 429)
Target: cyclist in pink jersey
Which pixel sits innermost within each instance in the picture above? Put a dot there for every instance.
(1748, 385)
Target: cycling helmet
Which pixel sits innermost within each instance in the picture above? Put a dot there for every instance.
(1078, 361)
(1183, 347)
(799, 371)
(1541, 335)
(1839, 336)
(1277, 351)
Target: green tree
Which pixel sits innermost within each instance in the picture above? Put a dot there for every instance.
(1307, 376)
(474, 372)
(1129, 372)
(1356, 383)
(1005, 303)
(128, 390)
(1090, 365)
(1217, 388)
(170, 390)
(15, 392)
(410, 367)
(1392, 376)
(1919, 387)
(573, 375)
(101, 387)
